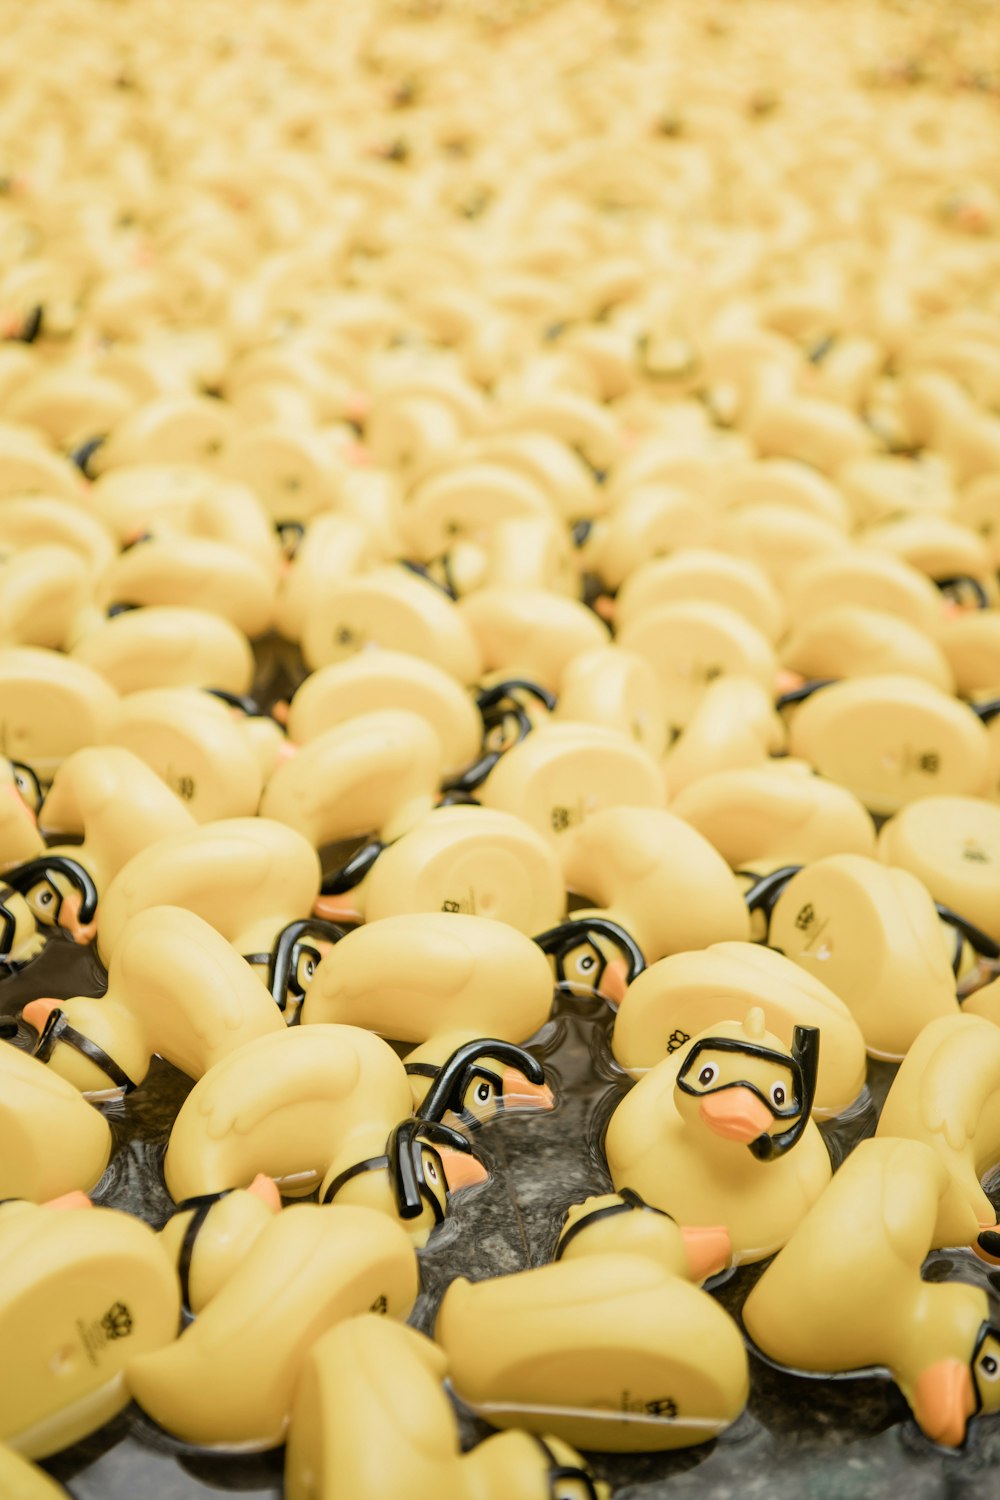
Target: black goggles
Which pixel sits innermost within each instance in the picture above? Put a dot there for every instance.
(558, 941)
(463, 1067)
(803, 1065)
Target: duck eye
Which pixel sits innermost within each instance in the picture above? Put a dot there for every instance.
(989, 1366)
(778, 1094)
(483, 1092)
(708, 1074)
(430, 1170)
(586, 963)
(45, 898)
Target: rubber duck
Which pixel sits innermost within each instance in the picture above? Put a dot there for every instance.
(376, 773)
(230, 1378)
(417, 977)
(612, 687)
(947, 1095)
(685, 994)
(952, 845)
(52, 705)
(191, 572)
(20, 938)
(202, 748)
(208, 1237)
(468, 501)
(319, 1102)
(776, 813)
(666, 902)
(698, 573)
(610, 1350)
(563, 773)
(851, 640)
(474, 861)
(892, 740)
(84, 1292)
(846, 1292)
(331, 548)
(391, 607)
(531, 632)
(119, 806)
(165, 646)
(733, 725)
(370, 1415)
(871, 933)
(690, 643)
(20, 839)
(176, 989)
(247, 877)
(874, 580)
(21, 1480)
(42, 590)
(719, 1133)
(53, 1141)
(375, 680)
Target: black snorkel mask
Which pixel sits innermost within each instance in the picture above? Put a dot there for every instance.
(403, 1160)
(496, 705)
(803, 1065)
(763, 892)
(558, 941)
(987, 1329)
(27, 875)
(288, 951)
(453, 1077)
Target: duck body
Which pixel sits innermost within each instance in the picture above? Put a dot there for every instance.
(230, 1378)
(615, 1338)
(247, 877)
(83, 1292)
(371, 1419)
(947, 1095)
(175, 988)
(51, 1140)
(411, 977)
(846, 1291)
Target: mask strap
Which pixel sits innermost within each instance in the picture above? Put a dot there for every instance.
(58, 1029)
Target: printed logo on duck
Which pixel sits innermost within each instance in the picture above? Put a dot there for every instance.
(658, 1406)
(117, 1322)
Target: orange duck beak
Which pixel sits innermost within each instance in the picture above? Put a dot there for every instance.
(37, 1012)
(944, 1400)
(520, 1093)
(69, 917)
(266, 1189)
(461, 1169)
(707, 1247)
(736, 1114)
(614, 981)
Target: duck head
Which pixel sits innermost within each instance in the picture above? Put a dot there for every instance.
(949, 1392)
(533, 1468)
(506, 722)
(592, 957)
(742, 1085)
(20, 939)
(59, 892)
(289, 968)
(424, 1163)
(483, 1078)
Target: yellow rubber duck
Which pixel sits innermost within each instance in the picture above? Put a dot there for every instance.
(21, 1480)
(176, 988)
(610, 1350)
(52, 705)
(846, 1292)
(53, 1141)
(119, 806)
(370, 1416)
(208, 1237)
(85, 1290)
(461, 860)
(319, 1102)
(230, 1378)
(164, 646)
(20, 839)
(720, 1133)
(947, 1095)
(687, 993)
(247, 877)
(872, 934)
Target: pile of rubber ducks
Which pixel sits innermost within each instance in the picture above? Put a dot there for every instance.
(495, 534)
